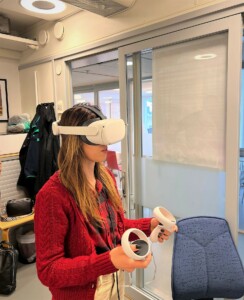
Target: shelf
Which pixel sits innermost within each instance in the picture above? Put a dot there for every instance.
(11, 143)
(15, 43)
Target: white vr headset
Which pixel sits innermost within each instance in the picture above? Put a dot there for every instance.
(98, 132)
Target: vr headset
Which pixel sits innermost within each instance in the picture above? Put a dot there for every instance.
(97, 131)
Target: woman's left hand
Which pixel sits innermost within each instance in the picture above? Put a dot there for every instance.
(164, 234)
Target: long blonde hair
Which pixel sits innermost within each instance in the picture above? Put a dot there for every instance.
(72, 175)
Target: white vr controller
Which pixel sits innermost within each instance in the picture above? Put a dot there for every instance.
(144, 250)
(167, 221)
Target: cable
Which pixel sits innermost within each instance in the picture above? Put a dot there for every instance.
(155, 270)
(155, 267)
(117, 285)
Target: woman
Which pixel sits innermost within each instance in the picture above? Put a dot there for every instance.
(79, 222)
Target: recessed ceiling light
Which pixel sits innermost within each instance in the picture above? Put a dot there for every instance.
(129, 63)
(205, 56)
(44, 6)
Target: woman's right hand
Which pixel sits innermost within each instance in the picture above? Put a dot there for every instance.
(121, 261)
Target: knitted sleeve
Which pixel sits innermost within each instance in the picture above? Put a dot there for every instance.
(143, 224)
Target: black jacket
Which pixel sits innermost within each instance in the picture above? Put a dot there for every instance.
(39, 152)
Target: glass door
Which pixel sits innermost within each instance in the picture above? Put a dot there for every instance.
(95, 79)
(182, 110)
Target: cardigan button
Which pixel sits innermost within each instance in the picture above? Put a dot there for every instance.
(93, 285)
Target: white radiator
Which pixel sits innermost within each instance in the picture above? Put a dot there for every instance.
(8, 180)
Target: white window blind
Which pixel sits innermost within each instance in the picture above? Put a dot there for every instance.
(189, 102)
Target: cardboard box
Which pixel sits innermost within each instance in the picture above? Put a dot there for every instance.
(4, 25)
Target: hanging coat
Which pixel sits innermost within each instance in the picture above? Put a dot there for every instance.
(39, 152)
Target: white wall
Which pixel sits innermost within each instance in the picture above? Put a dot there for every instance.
(9, 71)
(85, 28)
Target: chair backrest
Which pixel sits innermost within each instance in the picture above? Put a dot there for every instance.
(206, 263)
(112, 162)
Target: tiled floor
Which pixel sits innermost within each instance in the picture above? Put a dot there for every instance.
(28, 286)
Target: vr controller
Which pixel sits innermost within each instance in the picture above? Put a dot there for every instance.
(167, 221)
(144, 249)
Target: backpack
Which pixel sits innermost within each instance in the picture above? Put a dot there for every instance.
(8, 267)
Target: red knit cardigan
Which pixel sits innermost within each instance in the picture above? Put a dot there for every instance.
(66, 259)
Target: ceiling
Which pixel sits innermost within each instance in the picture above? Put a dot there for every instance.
(91, 74)
(21, 19)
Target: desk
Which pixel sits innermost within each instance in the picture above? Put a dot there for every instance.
(6, 226)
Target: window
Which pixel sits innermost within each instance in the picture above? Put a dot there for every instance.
(84, 97)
